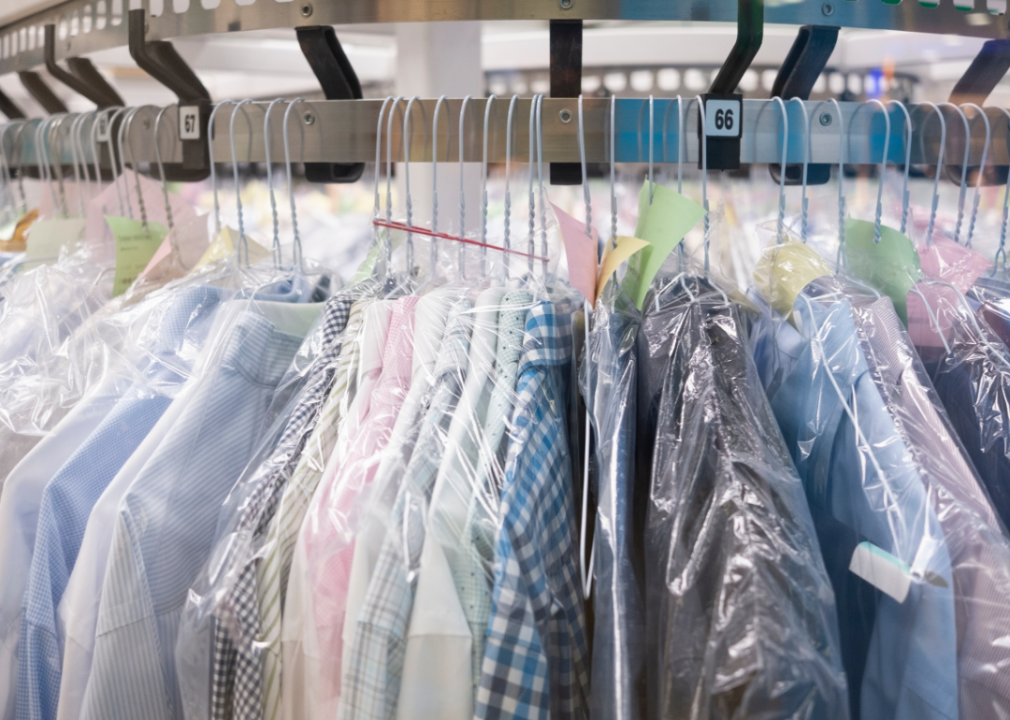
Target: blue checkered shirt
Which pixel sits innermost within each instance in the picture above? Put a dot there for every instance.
(535, 655)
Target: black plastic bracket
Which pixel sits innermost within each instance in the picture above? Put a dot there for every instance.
(338, 80)
(10, 109)
(566, 82)
(978, 81)
(805, 62)
(42, 93)
(724, 119)
(82, 77)
(161, 61)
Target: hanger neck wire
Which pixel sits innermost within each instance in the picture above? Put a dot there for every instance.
(296, 250)
(508, 193)
(213, 170)
(461, 254)
(981, 171)
(963, 189)
(267, 155)
(434, 177)
(704, 177)
(935, 202)
(1001, 252)
(804, 205)
(243, 244)
(483, 214)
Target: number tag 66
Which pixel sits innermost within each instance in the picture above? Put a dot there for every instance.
(722, 118)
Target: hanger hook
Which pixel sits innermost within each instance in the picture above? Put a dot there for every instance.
(276, 247)
(462, 186)
(56, 131)
(1006, 207)
(587, 196)
(781, 225)
(82, 141)
(161, 166)
(905, 195)
(296, 250)
(613, 173)
(533, 207)
(116, 151)
(508, 193)
(434, 177)
(963, 190)
(883, 163)
(124, 129)
(22, 126)
(483, 217)
(78, 156)
(704, 173)
(981, 170)
(540, 182)
(804, 205)
(935, 203)
(213, 171)
(407, 132)
(40, 131)
(243, 243)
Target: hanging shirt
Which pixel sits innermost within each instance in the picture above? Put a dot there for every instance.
(741, 619)
(272, 571)
(167, 519)
(535, 659)
(256, 495)
(369, 687)
(430, 319)
(468, 554)
(608, 377)
(866, 495)
(978, 546)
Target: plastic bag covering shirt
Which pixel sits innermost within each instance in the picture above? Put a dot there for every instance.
(608, 382)
(865, 490)
(970, 368)
(430, 318)
(536, 657)
(976, 539)
(272, 571)
(226, 589)
(166, 520)
(177, 328)
(69, 497)
(314, 610)
(741, 618)
(370, 685)
(454, 631)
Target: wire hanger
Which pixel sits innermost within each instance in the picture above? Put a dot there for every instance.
(780, 226)
(804, 204)
(243, 242)
(883, 164)
(963, 190)
(296, 246)
(276, 245)
(483, 216)
(161, 166)
(434, 187)
(981, 170)
(1006, 210)
(704, 174)
(935, 203)
(407, 132)
(461, 268)
(507, 244)
(213, 171)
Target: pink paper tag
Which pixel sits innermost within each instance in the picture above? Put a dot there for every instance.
(945, 260)
(925, 325)
(99, 238)
(582, 252)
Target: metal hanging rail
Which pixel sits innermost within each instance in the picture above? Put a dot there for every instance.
(344, 131)
(85, 26)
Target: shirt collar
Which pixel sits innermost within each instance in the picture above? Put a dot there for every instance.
(548, 340)
(453, 357)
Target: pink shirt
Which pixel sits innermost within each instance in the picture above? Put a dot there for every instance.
(942, 260)
(330, 549)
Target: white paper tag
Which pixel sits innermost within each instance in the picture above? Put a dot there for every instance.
(46, 238)
(189, 122)
(882, 570)
(722, 118)
(102, 132)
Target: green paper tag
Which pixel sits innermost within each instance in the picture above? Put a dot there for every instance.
(135, 246)
(891, 266)
(662, 224)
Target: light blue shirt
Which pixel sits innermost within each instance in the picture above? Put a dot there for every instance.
(863, 486)
(167, 521)
(69, 496)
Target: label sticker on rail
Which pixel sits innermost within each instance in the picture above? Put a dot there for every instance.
(722, 118)
(189, 122)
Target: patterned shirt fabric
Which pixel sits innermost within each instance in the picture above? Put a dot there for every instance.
(470, 553)
(236, 674)
(331, 550)
(535, 657)
(371, 680)
(272, 571)
(167, 519)
(301, 639)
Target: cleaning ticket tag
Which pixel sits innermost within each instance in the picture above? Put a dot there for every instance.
(882, 570)
(189, 122)
(722, 118)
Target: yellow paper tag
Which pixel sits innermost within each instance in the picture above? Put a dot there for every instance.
(135, 246)
(784, 270)
(613, 256)
(14, 240)
(46, 238)
(224, 245)
(662, 224)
